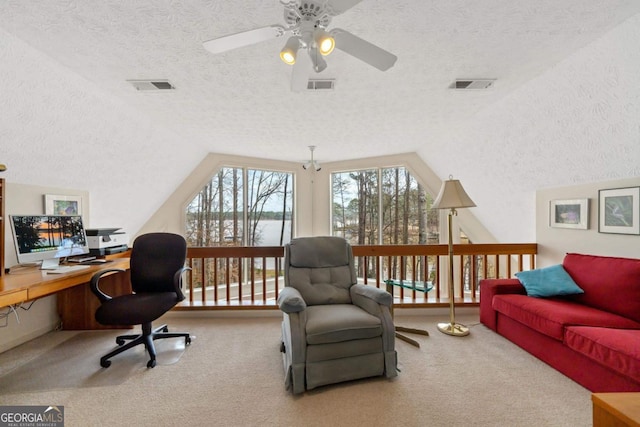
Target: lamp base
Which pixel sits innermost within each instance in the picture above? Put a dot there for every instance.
(454, 329)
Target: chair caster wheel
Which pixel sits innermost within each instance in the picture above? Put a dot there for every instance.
(105, 363)
(283, 349)
(187, 341)
(165, 329)
(151, 363)
(119, 341)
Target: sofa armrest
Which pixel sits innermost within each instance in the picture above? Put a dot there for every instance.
(488, 289)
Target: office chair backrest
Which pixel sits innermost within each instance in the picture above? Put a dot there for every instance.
(155, 259)
(321, 268)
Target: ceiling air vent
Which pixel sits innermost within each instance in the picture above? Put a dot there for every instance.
(467, 84)
(153, 85)
(321, 84)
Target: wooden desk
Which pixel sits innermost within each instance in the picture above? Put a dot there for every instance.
(76, 302)
(616, 409)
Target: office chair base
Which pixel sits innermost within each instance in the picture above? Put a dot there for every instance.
(147, 337)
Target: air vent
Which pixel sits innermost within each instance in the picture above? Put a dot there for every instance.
(153, 85)
(320, 84)
(469, 84)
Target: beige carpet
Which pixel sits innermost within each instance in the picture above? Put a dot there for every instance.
(232, 375)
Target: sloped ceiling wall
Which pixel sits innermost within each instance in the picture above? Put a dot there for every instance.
(575, 123)
(59, 130)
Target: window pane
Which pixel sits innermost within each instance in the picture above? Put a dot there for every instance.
(270, 200)
(214, 216)
(404, 208)
(355, 206)
(407, 217)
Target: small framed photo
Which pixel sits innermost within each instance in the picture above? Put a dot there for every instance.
(572, 213)
(619, 210)
(62, 205)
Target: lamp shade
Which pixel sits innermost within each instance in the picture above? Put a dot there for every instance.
(452, 195)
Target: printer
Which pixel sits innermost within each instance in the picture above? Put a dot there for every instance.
(106, 241)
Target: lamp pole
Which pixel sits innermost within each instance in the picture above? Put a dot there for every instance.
(452, 196)
(452, 328)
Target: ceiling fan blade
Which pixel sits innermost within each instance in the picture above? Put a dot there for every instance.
(244, 38)
(363, 50)
(300, 72)
(336, 7)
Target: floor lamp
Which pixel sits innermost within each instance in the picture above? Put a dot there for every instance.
(452, 196)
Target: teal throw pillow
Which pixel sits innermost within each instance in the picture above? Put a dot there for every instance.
(548, 282)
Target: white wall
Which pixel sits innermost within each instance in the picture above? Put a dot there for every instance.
(42, 316)
(553, 243)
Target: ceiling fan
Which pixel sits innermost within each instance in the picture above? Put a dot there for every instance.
(306, 25)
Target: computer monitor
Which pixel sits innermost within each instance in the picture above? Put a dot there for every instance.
(44, 237)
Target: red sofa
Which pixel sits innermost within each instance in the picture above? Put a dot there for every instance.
(593, 338)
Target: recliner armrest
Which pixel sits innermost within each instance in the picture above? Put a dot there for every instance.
(290, 300)
(376, 294)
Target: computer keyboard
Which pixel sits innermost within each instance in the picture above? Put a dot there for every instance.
(66, 269)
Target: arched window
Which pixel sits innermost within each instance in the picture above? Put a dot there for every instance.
(216, 216)
(382, 206)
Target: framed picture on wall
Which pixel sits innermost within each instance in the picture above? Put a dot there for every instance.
(619, 210)
(570, 213)
(62, 205)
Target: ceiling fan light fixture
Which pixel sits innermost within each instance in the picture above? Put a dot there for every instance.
(290, 51)
(324, 41)
(319, 64)
(311, 164)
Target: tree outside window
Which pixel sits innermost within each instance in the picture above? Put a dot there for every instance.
(216, 217)
(385, 206)
(382, 206)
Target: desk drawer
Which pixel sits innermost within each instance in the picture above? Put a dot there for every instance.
(15, 297)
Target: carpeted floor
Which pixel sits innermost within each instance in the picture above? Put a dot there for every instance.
(232, 375)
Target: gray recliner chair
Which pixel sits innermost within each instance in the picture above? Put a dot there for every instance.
(333, 329)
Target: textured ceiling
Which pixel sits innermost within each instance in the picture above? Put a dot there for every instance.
(66, 105)
(242, 97)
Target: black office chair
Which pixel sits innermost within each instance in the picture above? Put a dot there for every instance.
(157, 265)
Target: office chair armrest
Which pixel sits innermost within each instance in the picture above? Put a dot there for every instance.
(177, 282)
(376, 294)
(290, 300)
(96, 278)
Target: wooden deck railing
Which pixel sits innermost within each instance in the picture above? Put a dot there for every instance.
(251, 277)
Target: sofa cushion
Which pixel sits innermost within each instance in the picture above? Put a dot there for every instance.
(548, 282)
(609, 283)
(340, 322)
(549, 316)
(617, 349)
